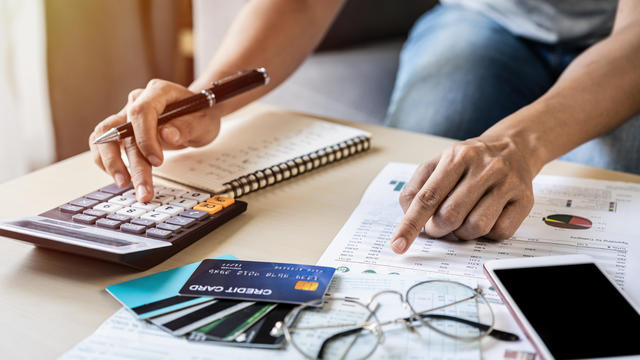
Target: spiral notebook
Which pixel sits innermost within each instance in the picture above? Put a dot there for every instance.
(258, 149)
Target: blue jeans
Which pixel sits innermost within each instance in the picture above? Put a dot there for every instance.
(461, 72)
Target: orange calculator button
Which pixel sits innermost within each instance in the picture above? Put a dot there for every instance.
(208, 207)
(221, 200)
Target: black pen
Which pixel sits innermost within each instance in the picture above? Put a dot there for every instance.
(220, 91)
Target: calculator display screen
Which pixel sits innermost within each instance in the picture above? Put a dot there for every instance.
(575, 310)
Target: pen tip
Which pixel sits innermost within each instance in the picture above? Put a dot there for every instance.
(111, 135)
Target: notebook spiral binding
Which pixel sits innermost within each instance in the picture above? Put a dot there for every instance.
(291, 168)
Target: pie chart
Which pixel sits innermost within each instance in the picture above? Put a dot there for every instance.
(564, 221)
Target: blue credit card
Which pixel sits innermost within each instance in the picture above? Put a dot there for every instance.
(258, 281)
(157, 294)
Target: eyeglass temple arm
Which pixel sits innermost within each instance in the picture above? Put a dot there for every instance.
(495, 333)
(334, 337)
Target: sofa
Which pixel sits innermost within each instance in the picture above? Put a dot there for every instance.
(350, 75)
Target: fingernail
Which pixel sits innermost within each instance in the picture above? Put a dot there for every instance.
(154, 160)
(170, 134)
(398, 245)
(142, 191)
(120, 180)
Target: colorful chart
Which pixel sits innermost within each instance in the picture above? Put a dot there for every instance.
(564, 221)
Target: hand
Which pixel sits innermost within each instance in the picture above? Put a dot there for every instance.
(478, 187)
(145, 148)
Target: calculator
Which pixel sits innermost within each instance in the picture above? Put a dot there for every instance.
(110, 224)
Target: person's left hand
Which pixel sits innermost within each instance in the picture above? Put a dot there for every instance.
(478, 187)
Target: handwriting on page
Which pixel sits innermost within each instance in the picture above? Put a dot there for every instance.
(250, 143)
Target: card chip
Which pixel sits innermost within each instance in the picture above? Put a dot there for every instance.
(306, 285)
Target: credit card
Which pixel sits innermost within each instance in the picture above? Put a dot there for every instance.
(203, 315)
(168, 317)
(157, 294)
(260, 333)
(258, 281)
(257, 335)
(229, 327)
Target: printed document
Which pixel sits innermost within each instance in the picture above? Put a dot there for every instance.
(608, 231)
(611, 236)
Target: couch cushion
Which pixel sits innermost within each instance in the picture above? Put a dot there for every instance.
(362, 21)
(353, 83)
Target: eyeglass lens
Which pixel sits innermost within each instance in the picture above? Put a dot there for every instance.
(450, 308)
(334, 331)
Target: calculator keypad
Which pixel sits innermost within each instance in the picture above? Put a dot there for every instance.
(110, 224)
(170, 213)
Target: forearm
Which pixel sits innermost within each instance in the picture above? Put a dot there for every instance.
(275, 34)
(596, 93)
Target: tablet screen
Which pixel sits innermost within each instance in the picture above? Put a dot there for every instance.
(575, 310)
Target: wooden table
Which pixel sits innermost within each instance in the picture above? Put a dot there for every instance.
(50, 301)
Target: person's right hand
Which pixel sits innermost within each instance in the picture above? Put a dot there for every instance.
(145, 149)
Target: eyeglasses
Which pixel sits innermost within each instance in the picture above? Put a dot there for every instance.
(344, 328)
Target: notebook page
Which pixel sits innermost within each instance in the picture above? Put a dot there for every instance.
(251, 142)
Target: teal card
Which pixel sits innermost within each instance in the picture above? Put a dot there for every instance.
(157, 294)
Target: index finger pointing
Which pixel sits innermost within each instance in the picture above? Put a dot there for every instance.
(419, 177)
(425, 203)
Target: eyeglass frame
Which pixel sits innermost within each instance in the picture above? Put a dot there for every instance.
(375, 327)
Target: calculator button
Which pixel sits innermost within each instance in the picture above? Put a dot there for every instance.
(132, 228)
(115, 190)
(163, 199)
(221, 200)
(185, 203)
(172, 192)
(158, 233)
(108, 223)
(71, 209)
(99, 195)
(208, 207)
(170, 209)
(96, 213)
(108, 207)
(150, 206)
(169, 227)
(155, 216)
(84, 202)
(181, 221)
(85, 219)
(118, 217)
(195, 214)
(130, 193)
(131, 211)
(122, 200)
(200, 197)
(143, 222)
